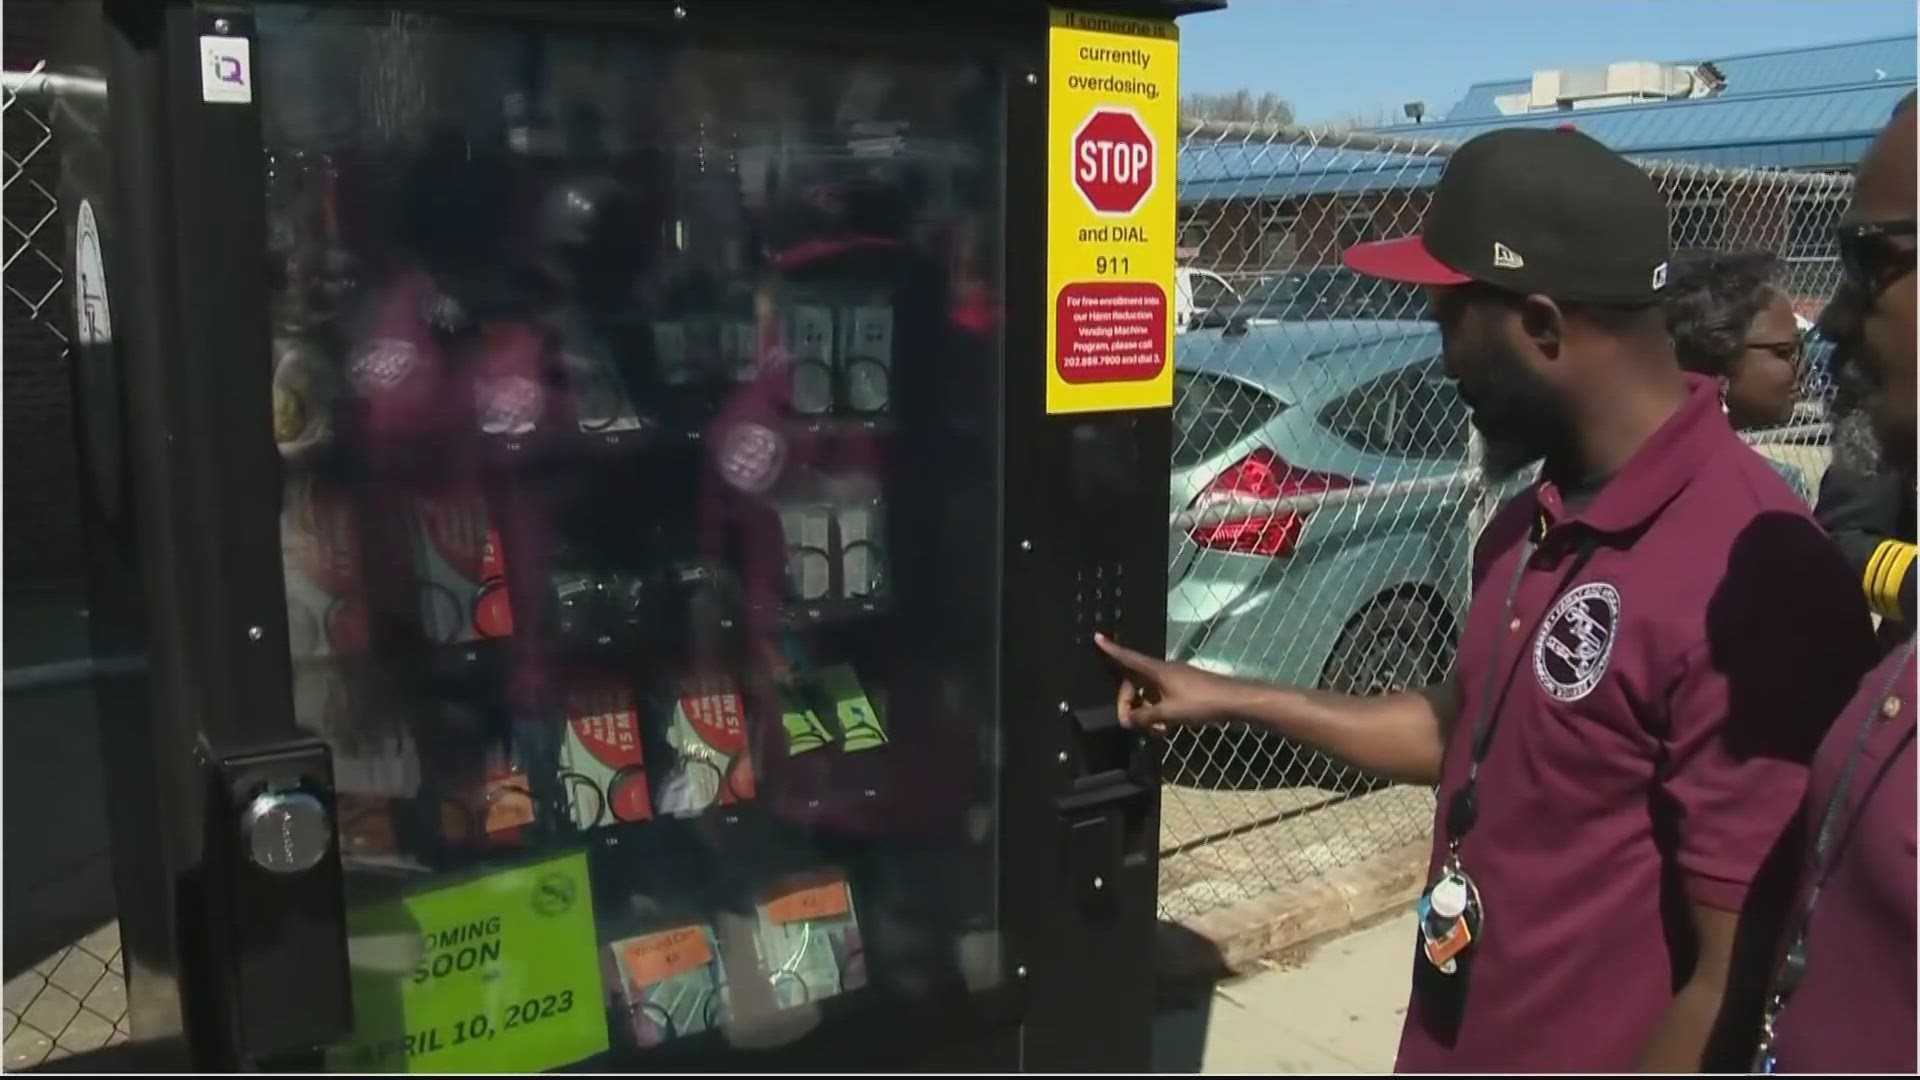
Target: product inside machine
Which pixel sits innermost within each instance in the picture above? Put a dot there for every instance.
(638, 406)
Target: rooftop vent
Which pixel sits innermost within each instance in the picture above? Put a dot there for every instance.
(1624, 83)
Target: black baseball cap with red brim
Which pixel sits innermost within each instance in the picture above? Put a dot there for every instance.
(1406, 259)
(1535, 210)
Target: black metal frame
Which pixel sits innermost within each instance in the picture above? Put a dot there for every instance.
(1078, 801)
(1083, 948)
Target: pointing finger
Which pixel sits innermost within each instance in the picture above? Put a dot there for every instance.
(1138, 663)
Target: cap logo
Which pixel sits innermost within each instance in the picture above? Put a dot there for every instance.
(1659, 277)
(1505, 258)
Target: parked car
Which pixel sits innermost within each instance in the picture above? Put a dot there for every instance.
(1362, 596)
(1201, 298)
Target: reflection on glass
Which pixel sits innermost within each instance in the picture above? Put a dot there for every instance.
(639, 409)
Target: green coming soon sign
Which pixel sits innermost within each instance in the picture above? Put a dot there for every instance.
(498, 974)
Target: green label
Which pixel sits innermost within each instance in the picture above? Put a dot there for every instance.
(860, 724)
(500, 974)
(805, 731)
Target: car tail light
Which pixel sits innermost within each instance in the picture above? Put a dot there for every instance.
(1262, 475)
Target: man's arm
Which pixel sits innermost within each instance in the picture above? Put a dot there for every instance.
(1679, 1044)
(1399, 737)
(1396, 736)
(1787, 639)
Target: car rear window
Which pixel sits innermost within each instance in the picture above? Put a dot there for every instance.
(1211, 413)
(1413, 411)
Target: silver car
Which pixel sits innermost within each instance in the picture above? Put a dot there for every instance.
(1284, 563)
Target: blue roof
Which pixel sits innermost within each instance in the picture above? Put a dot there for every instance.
(1768, 124)
(1683, 128)
(1846, 63)
(1230, 169)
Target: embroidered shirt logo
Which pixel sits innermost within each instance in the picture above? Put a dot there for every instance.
(1576, 640)
(385, 364)
(509, 406)
(751, 457)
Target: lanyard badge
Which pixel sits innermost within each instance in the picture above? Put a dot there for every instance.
(1451, 917)
(1820, 864)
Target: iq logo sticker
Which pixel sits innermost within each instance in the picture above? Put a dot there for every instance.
(226, 70)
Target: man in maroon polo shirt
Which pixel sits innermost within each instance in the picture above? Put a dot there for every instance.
(1658, 635)
(1844, 998)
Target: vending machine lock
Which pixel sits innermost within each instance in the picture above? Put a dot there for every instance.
(286, 832)
(276, 890)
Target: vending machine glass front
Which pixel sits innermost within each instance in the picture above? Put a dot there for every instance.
(637, 395)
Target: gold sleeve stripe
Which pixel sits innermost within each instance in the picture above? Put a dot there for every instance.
(1870, 581)
(1886, 572)
(1897, 577)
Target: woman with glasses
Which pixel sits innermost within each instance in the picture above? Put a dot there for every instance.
(1731, 322)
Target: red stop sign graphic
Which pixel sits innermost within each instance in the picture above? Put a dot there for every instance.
(1115, 160)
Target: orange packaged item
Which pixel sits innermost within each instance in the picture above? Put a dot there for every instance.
(463, 577)
(497, 809)
(672, 983)
(320, 545)
(366, 828)
(809, 941)
(601, 768)
(707, 730)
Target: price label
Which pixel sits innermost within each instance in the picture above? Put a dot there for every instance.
(656, 958)
(498, 974)
(805, 901)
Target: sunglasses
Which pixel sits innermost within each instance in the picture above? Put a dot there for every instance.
(1874, 253)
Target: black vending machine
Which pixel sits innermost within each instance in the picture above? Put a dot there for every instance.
(616, 496)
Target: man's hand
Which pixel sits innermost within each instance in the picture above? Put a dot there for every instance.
(1396, 736)
(1156, 694)
(1680, 1043)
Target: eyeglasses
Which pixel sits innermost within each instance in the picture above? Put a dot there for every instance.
(1872, 253)
(1790, 351)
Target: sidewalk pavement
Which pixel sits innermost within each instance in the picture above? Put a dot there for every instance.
(1337, 1011)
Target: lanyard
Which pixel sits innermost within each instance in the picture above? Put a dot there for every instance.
(1463, 809)
(1820, 866)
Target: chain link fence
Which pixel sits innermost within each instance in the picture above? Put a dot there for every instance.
(69, 995)
(43, 541)
(1331, 484)
(31, 273)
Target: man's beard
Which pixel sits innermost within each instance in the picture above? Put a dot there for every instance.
(1521, 419)
(1857, 449)
(1502, 461)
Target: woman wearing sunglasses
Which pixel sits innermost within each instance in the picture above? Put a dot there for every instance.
(1731, 322)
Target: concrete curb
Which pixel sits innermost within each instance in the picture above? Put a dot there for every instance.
(1232, 940)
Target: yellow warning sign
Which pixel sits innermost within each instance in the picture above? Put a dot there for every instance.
(1112, 136)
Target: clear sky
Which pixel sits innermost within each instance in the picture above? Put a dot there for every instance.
(1336, 59)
